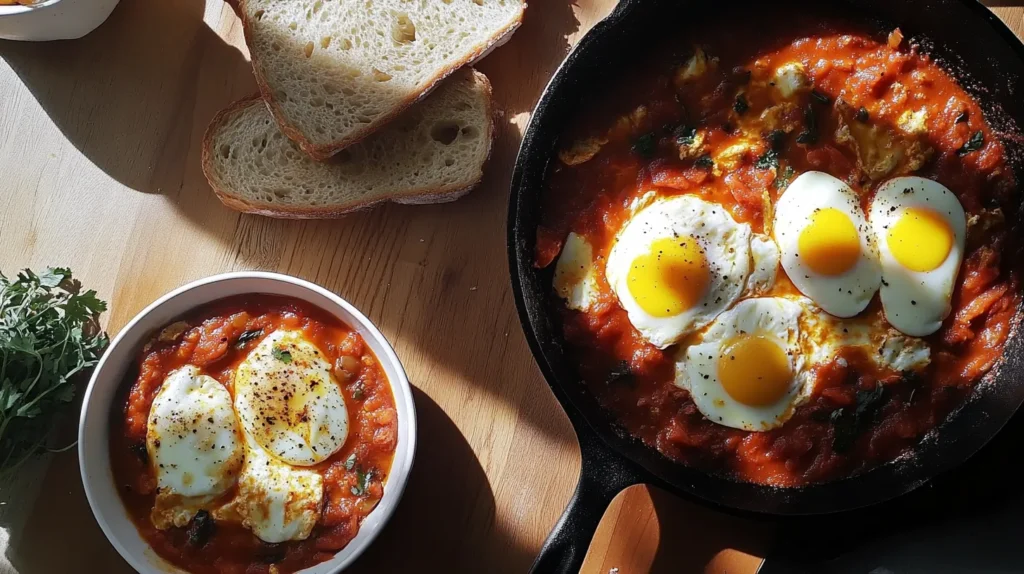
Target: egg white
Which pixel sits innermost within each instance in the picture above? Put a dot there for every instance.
(274, 500)
(790, 79)
(288, 401)
(843, 295)
(194, 445)
(886, 347)
(726, 245)
(697, 365)
(575, 277)
(917, 302)
(764, 265)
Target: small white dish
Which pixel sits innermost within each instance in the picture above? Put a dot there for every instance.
(53, 19)
(107, 379)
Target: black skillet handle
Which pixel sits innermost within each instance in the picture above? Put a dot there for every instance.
(624, 6)
(603, 474)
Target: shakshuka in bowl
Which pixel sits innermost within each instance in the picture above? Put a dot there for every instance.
(246, 423)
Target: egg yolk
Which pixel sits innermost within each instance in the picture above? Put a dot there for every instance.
(921, 239)
(830, 244)
(670, 279)
(754, 370)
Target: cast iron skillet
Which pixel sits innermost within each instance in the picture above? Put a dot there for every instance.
(964, 35)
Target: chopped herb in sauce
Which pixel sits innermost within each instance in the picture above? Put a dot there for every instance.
(140, 451)
(200, 529)
(272, 553)
(976, 142)
(645, 146)
(350, 462)
(810, 134)
(784, 177)
(621, 374)
(248, 336)
(821, 98)
(962, 117)
(849, 422)
(740, 106)
(776, 139)
(685, 135)
(768, 160)
(363, 479)
(705, 162)
(358, 390)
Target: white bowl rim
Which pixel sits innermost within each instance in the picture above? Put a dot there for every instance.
(401, 390)
(22, 9)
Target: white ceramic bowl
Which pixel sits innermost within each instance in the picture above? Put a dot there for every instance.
(94, 429)
(53, 19)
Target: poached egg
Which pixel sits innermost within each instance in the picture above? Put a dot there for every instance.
(194, 445)
(288, 402)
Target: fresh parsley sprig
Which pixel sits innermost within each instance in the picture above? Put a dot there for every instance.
(49, 335)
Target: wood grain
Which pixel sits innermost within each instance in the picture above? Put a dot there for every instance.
(99, 154)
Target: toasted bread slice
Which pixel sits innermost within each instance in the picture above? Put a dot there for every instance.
(335, 71)
(433, 153)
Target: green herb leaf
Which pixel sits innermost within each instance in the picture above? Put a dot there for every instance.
(281, 355)
(621, 374)
(704, 162)
(358, 390)
(810, 134)
(740, 106)
(820, 98)
(962, 117)
(200, 529)
(685, 136)
(362, 482)
(784, 177)
(976, 142)
(49, 338)
(350, 462)
(248, 336)
(768, 160)
(645, 146)
(848, 423)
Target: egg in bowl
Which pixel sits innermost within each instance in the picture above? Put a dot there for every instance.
(354, 490)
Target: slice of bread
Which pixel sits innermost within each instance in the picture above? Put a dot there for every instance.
(433, 153)
(335, 71)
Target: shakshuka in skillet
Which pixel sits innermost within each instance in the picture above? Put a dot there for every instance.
(782, 257)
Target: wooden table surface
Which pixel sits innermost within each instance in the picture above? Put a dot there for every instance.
(99, 160)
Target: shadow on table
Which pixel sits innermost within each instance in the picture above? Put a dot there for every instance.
(453, 311)
(52, 528)
(131, 95)
(435, 277)
(446, 519)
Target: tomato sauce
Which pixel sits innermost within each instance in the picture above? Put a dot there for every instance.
(209, 338)
(864, 78)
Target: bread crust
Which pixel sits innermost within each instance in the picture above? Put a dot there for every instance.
(322, 153)
(413, 196)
